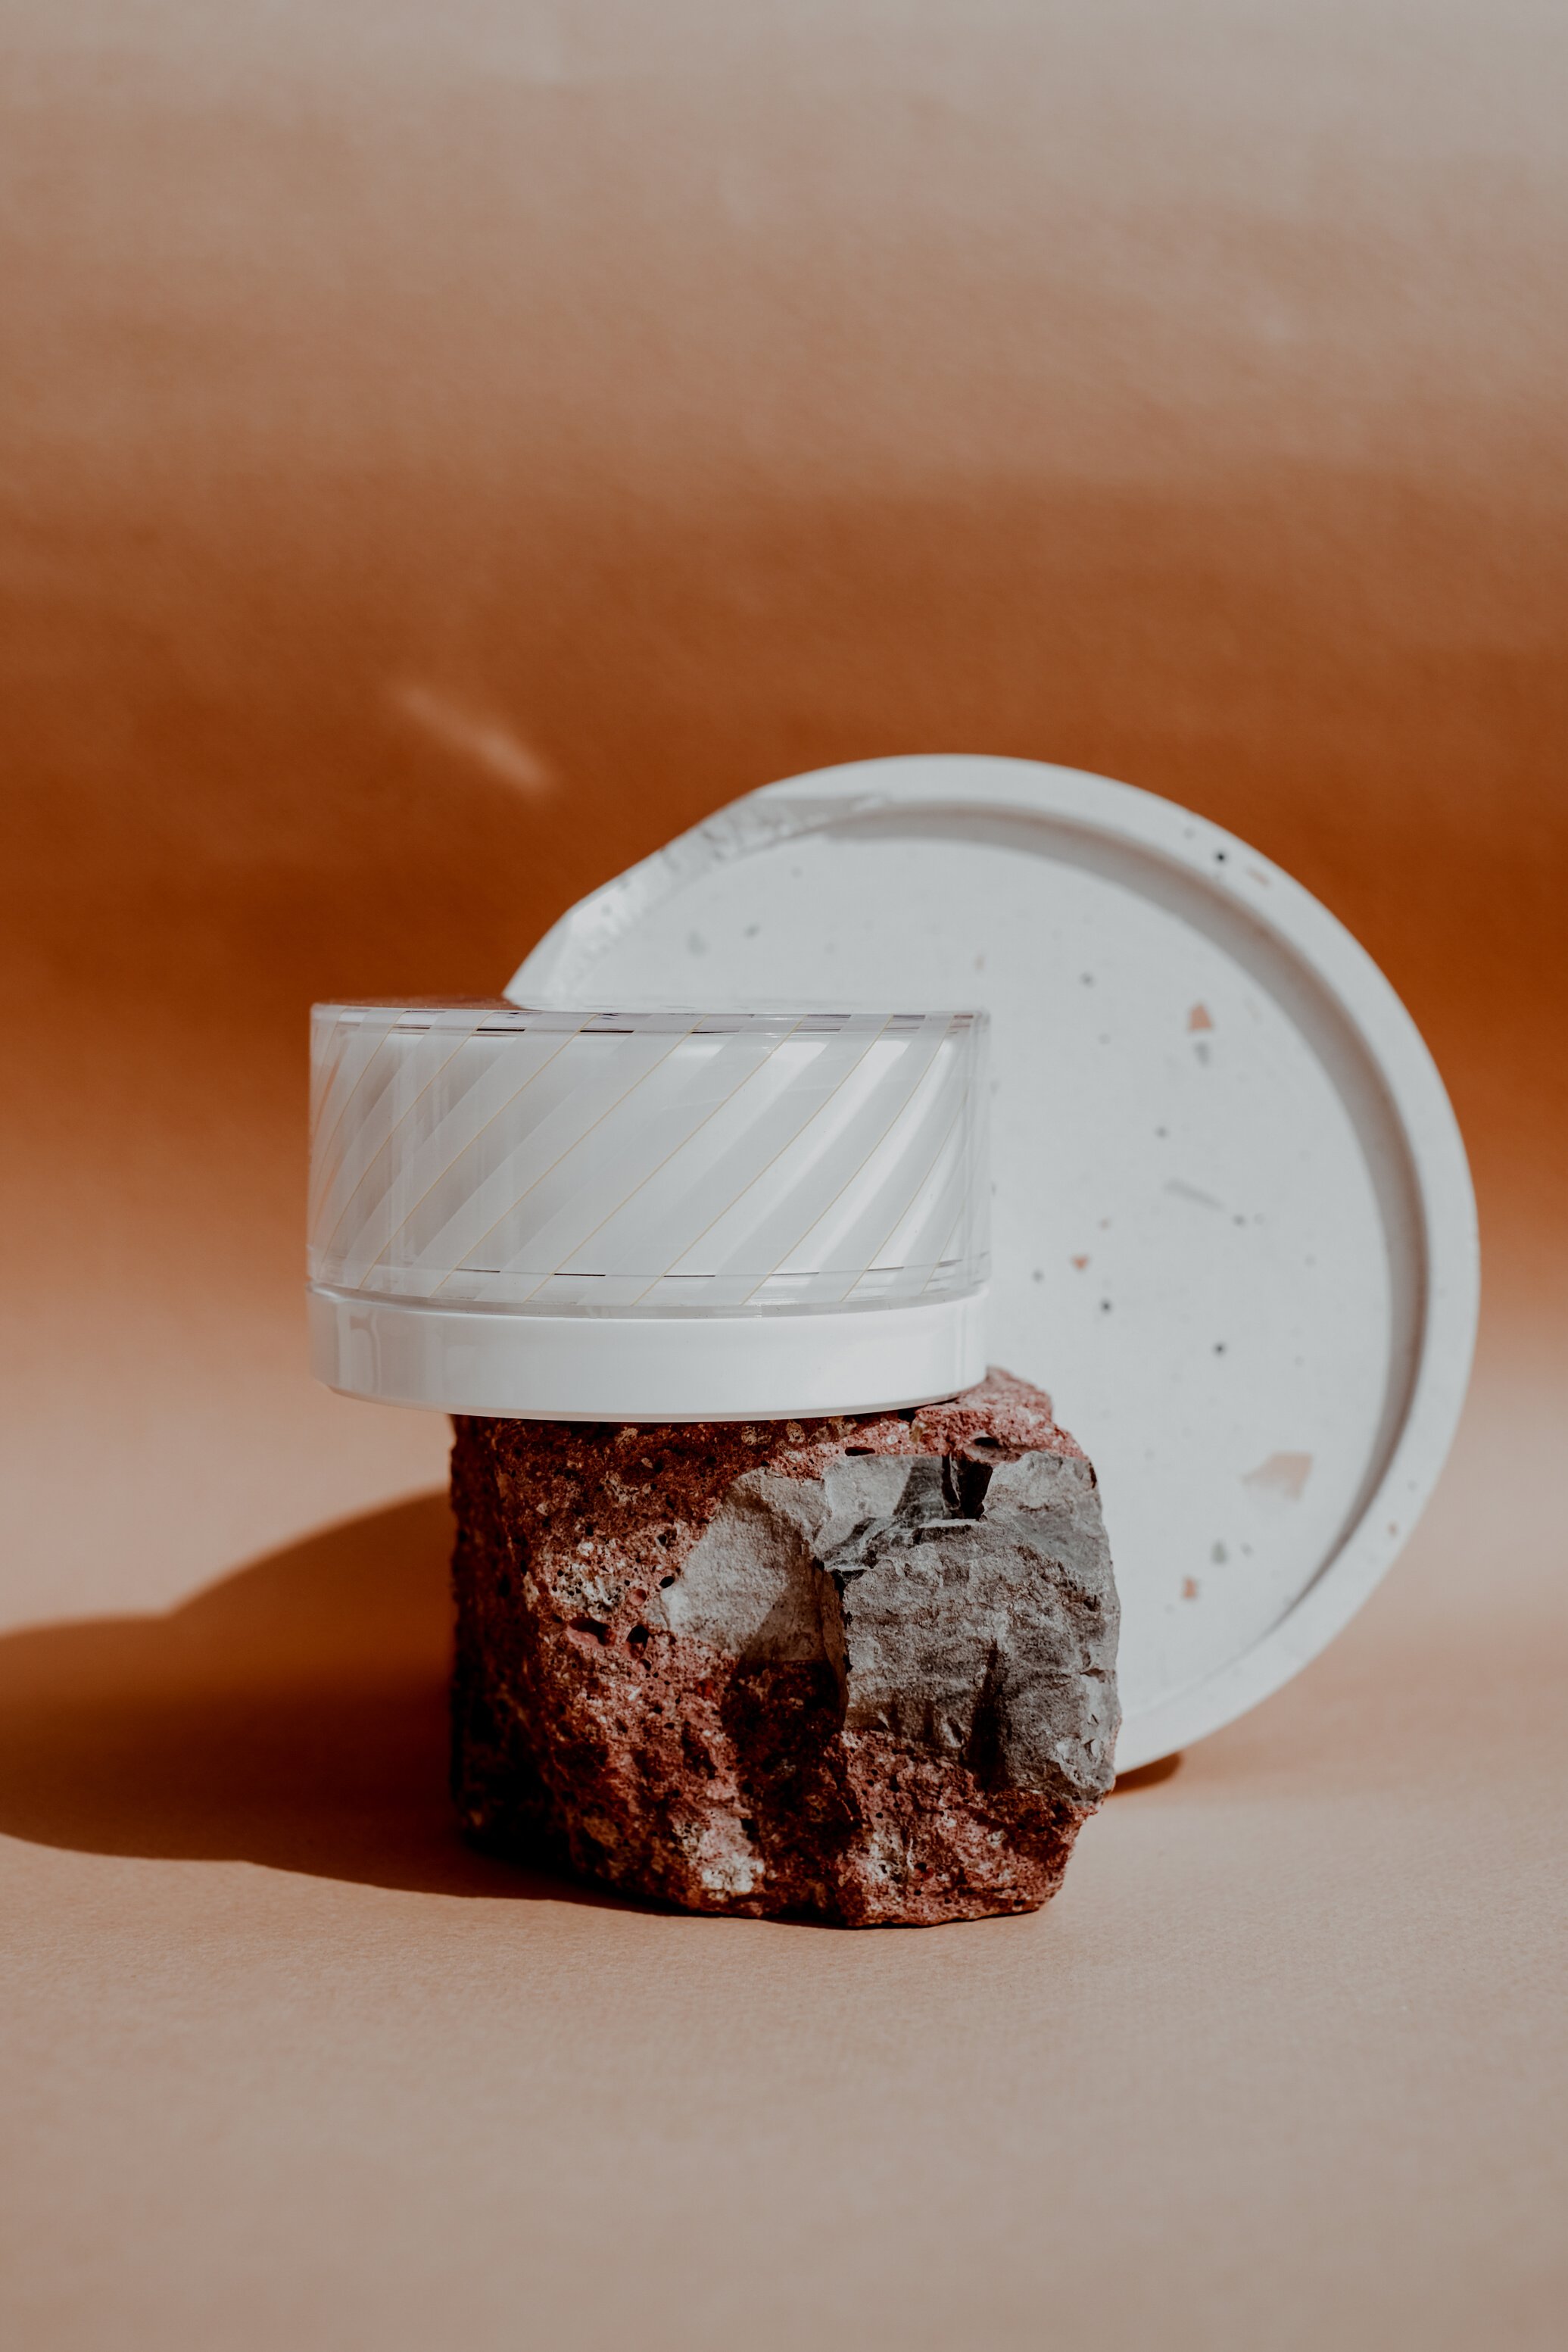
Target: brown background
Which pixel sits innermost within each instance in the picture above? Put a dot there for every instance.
(448, 450)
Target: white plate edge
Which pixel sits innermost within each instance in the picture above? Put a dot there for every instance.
(558, 966)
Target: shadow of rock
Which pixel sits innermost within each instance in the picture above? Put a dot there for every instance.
(292, 1715)
(1146, 1776)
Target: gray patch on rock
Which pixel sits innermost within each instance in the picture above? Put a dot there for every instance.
(966, 1608)
(751, 1586)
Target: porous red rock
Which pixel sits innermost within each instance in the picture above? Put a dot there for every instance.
(862, 1668)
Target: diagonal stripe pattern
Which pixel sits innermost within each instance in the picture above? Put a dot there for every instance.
(647, 1163)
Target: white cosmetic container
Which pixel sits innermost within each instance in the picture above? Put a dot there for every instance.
(651, 1216)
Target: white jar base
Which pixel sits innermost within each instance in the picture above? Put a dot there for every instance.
(525, 1366)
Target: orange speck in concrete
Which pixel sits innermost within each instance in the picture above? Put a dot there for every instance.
(1287, 1474)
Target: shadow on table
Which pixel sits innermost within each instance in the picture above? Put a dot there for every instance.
(294, 1715)
(1146, 1776)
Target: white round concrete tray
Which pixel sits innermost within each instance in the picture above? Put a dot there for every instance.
(1234, 1231)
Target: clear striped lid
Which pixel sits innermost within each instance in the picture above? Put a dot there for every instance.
(664, 1162)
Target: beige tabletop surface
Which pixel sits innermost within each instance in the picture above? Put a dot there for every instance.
(1281, 2065)
(448, 450)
